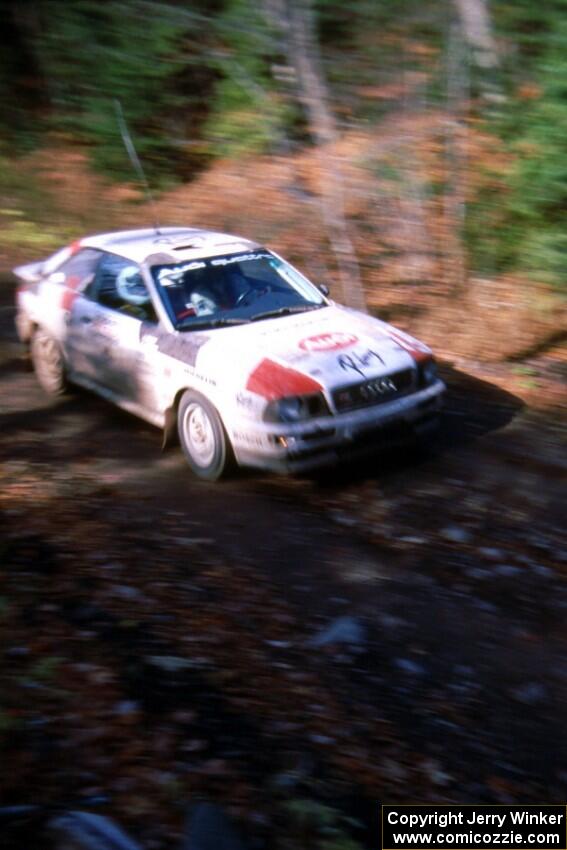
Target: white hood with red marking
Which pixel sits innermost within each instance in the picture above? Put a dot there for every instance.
(314, 351)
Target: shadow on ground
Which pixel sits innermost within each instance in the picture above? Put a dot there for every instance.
(472, 409)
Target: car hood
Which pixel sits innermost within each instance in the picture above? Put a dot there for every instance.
(319, 350)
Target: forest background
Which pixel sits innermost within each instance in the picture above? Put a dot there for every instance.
(413, 155)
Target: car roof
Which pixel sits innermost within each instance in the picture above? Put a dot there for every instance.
(167, 243)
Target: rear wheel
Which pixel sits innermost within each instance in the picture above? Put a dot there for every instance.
(202, 437)
(48, 363)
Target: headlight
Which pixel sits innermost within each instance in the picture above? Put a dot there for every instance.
(296, 408)
(427, 372)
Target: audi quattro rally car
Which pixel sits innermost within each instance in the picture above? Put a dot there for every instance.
(223, 339)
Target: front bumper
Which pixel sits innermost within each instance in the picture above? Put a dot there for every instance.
(325, 441)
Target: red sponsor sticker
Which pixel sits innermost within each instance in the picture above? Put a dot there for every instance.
(271, 380)
(68, 299)
(331, 341)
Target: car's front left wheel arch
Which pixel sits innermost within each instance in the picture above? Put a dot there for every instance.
(203, 436)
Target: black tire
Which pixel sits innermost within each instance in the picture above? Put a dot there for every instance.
(48, 363)
(202, 437)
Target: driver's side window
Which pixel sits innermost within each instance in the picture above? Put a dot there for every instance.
(119, 285)
(79, 270)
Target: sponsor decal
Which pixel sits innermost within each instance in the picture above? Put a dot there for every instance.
(249, 439)
(244, 400)
(226, 261)
(357, 361)
(68, 299)
(70, 292)
(171, 277)
(272, 381)
(330, 341)
(184, 348)
(288, 326)
(204, 379)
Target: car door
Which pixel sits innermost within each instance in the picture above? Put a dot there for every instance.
(107, 323)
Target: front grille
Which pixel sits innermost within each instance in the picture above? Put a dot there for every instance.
(376, 391)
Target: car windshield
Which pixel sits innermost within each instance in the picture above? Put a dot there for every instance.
(233, 289)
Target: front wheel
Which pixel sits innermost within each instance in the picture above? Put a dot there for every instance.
(202, 437)
(48, 363)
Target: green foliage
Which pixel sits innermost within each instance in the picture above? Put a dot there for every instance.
(247, 114)
(521, 223)
(7, 723)
(94, 52)
(320, 826)
(193, 79)
(45, 669)
(150, 55)
(544, 255)
(26, 215)
(20, 233)
(199, 79)
(525, 27)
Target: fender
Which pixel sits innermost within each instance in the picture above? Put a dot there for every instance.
(169, 427)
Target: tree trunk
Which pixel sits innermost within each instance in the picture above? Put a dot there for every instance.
(454, 201)
(477, 30)
(295, 19)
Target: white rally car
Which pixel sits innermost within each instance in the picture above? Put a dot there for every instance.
(221, 338)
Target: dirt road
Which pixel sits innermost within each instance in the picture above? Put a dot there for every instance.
(166, 639)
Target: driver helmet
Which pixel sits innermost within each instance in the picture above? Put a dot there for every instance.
(131, 287)
(202, 305)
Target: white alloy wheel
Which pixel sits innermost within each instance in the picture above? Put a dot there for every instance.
(202, 436)
(198, 430)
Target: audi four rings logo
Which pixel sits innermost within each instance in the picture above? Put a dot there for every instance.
(378, 387)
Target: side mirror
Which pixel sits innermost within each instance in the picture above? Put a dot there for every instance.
(322, 287)
(56, 277)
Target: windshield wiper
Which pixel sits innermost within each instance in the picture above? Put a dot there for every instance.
(284, 311)
(210, 323)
